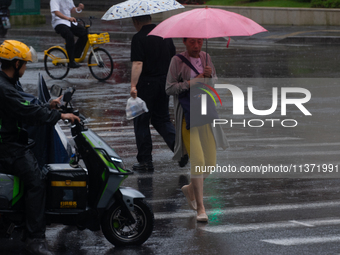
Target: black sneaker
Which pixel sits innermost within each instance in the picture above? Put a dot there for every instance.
(184, 161)
(37, 246)
(143, 166)
(73, 65)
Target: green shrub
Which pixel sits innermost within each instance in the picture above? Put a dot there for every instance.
(325, 3)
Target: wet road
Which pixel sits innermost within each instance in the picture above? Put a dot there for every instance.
(246, 215)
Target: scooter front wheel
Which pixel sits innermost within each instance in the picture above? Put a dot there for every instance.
(118, 229)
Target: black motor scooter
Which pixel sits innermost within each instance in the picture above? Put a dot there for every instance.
(86, 193)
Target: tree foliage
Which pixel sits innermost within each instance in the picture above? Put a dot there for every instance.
(325, 3)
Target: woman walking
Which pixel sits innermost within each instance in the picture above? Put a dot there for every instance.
(199, 142)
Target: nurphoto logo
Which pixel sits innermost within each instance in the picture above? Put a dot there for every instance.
(238, 107)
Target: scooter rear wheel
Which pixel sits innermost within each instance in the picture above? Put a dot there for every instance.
(120, 232)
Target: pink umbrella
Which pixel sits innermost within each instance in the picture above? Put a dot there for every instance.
(206, 23)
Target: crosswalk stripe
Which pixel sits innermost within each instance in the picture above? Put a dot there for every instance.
(115, 132)
(254, 209)
(271, 225)
(303, 240)
(264, 139)
(301, 223)
(266, 154)
(239, 195)
(303, 145)
(121, 131)
(282, 207)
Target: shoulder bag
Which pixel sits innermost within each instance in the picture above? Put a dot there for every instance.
(192, 97)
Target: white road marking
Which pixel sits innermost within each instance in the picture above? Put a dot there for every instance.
(238, 195)
(303, 145)
(266, 154)
(303, 240)
(265, 139)
(115, 131)
(301, 223)
(281, 207)
(271, 225)
(121, 131)
(263, 208)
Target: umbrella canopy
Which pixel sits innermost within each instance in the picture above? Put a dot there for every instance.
(134, 8)
(206, 23)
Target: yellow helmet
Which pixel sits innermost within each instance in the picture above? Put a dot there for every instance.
(11, 49)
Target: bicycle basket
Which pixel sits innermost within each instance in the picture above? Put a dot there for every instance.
(99, 38)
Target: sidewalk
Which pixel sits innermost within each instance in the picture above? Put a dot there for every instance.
(123, 29)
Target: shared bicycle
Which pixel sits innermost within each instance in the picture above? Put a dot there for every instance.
(99, 61)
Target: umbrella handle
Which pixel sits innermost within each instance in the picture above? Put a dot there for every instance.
(206, 52)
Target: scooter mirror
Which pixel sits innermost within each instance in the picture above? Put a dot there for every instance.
(68, 95)
(56, 90)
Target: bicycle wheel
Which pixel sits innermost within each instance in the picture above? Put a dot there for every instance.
(56, 70)
(100, 64)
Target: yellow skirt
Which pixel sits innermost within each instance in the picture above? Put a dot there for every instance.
(201, 147)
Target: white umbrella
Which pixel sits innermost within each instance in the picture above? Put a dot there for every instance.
(134, 8)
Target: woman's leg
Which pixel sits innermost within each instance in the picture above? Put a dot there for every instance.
(197, 185)
(193, 146)
(208, 146)
(186, 143)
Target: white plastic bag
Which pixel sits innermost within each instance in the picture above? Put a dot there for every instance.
(135, 107)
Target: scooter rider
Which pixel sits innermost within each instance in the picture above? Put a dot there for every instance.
(15, 156)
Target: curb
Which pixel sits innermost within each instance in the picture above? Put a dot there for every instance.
(22, 20)
(311, 39)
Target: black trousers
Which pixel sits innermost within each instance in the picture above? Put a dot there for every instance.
(17, 160)
(74, 50)
(152, 91)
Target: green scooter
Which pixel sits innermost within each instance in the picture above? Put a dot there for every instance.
(89, 196)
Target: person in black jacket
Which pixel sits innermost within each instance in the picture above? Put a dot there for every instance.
(150, 57)
(15, 156)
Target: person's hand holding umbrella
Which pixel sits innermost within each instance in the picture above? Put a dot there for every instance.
(207, 72)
